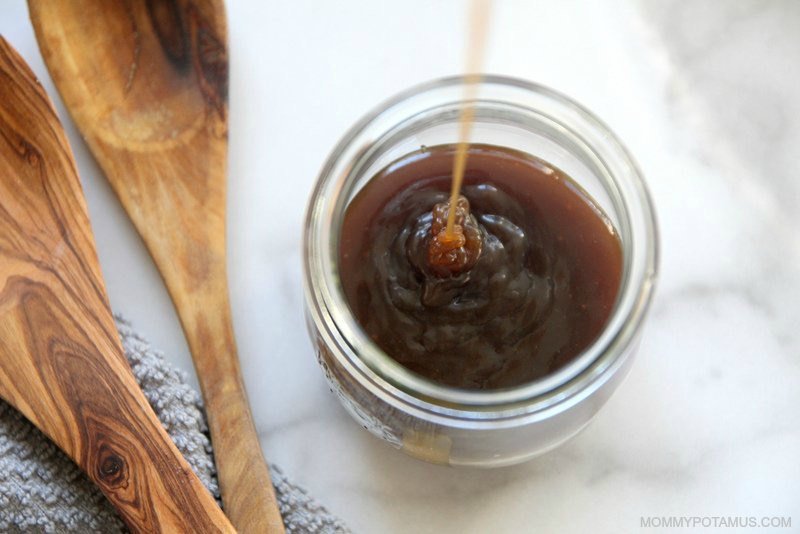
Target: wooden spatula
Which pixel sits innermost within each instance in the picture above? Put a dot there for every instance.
(146, 82)
(61, 362)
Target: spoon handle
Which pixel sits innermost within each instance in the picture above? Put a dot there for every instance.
(244, 478)
(61, 362)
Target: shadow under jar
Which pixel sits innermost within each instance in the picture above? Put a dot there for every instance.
(476, 422)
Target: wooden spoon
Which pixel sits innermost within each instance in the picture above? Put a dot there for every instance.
(147, 84)
(61, 362)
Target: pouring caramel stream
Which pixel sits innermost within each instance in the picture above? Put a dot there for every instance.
(476, 48)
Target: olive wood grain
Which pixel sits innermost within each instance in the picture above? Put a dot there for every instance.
(146, 82)
(61, 362)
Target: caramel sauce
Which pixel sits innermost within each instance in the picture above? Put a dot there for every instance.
(528, 285)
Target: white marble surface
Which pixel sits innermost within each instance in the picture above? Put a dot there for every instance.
(705, 94)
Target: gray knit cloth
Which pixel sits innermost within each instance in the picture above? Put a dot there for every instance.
(41, 490)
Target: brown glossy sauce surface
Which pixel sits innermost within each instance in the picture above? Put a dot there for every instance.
(535, 280)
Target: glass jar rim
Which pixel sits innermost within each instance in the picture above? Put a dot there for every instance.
(328, 307)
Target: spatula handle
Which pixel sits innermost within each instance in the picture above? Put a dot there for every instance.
(61, 362)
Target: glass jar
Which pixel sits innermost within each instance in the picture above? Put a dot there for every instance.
(477, 428)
